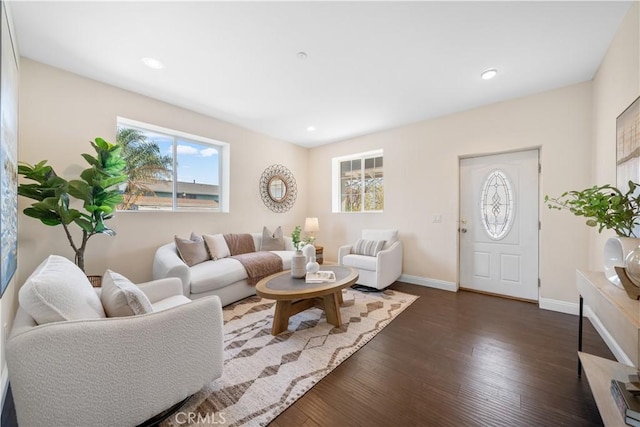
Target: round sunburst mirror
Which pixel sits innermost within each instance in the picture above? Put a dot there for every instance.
(278, 188)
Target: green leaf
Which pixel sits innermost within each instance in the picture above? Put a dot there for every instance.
(112, 199)
(110, 182)
(80, 190)
(84, 224)
(46, 217)
(69, 216)
(89, 175)
(91, 160)
(102, 144)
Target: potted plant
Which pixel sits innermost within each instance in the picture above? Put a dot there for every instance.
(97, 188)
(298, 260)
(605, 207)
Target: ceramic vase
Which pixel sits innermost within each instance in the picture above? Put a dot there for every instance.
(313, 266)
(632, 264)
(616, 250)
(298, 262)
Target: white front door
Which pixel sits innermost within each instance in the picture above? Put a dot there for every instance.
(499, 224)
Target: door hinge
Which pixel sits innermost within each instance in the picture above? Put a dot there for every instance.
(538, 282)
(539, 167)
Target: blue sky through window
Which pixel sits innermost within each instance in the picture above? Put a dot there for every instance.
(196, 162)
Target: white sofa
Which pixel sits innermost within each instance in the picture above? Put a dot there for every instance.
(101, 371)
(375, 271)
(224, 277)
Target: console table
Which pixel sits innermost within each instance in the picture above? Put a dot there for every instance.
(619, 314)
(600, 372)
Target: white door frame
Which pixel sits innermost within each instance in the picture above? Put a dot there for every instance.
(540, 205)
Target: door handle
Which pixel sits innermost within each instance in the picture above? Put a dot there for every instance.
(463, 230)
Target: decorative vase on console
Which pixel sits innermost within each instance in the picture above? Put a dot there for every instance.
(310, 253)
(617, 251)
(632, 265)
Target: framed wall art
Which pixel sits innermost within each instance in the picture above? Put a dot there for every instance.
(628, 146)
(8, 152)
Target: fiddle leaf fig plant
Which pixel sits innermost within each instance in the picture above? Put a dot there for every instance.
(96, 189)
(605, 207)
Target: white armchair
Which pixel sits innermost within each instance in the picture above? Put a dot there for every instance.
(375, 271)
(119, 370)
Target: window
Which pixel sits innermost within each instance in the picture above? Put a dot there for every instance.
(172, 170)
(496, 205)
(358, 183)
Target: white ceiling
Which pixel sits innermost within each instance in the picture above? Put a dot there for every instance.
(370, 65)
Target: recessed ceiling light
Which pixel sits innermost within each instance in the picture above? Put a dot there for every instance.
(153, 63)
(489, 74)
(302, 55)
(311, 128)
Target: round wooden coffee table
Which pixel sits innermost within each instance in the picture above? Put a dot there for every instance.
(295, 295)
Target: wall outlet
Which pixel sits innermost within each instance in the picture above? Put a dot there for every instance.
(437, 219)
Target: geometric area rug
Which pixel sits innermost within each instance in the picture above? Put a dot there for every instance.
(263, 375)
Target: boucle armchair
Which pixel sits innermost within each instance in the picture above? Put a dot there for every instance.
(114, 371)
(377, 256)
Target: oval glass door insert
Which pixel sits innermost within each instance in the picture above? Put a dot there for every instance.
(496, 205)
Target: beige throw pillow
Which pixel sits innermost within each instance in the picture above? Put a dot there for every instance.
(368, 247)
(58, 290)
(217, 246)
(192, 251)
(121, 298)
(272, 241)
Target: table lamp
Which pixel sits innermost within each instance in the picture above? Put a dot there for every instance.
(310, 227)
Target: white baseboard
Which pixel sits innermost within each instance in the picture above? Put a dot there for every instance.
(617, 351)
(560, 306)
(574, 308)
(430, 283)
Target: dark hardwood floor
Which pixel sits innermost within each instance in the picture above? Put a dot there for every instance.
(459, 359)
(455, 359)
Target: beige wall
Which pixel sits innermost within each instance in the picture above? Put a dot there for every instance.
(421, 180)
(60, 112)
(615, 86)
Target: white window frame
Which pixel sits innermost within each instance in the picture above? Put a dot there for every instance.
(224, 184)
(336, 197)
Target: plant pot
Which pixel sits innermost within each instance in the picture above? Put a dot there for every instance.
(298, 262)
(616, 250)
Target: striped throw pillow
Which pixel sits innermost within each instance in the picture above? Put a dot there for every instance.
(368, 247)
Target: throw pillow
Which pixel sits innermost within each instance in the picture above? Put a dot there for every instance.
(58, 290)
(217, 246)
(272, 241)
(192, 251)
(368, 247)
(120, 297)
